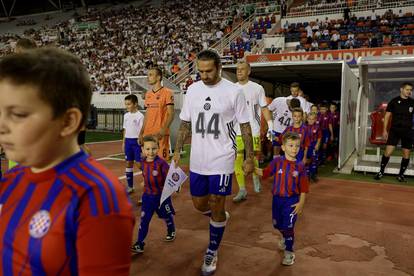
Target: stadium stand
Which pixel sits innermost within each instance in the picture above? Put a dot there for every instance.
(387, 29)
(117, 43)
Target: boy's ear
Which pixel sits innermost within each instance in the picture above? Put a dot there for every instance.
(71, 121)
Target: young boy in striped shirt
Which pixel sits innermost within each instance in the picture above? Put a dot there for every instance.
(315, 138)
(154, 171)
(300, 128)
(290, 186)
(59, 209)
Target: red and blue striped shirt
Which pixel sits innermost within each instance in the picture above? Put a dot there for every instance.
(315, 133)
(324, 121)
(303, 133)
(154, 173)
(72, 219)
(290, 177)
(334, 119)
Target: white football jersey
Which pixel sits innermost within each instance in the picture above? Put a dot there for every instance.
(133, 124)
(282, 117)
(213, 111)
(304, 104)
(255, 99)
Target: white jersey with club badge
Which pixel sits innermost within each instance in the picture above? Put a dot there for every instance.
(282, 117)
(213, 111)
(255, 98)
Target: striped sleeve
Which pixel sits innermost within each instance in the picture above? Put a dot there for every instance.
(95, 244)
(304, 180)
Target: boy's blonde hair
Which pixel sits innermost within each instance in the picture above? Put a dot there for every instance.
(293, 136)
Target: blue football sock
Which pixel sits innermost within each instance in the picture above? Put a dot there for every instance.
(289, 237)
(170, 223)
(216, 234)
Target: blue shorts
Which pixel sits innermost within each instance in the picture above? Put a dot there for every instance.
(278, 142)
(282, 212)
(151, 204)
(202, 185)
(132, 150)
(326, 134)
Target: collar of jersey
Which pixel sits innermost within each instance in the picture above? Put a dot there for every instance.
(157, 90)
(155, 159)
(58, 169)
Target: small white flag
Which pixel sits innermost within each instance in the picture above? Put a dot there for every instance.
(175, 178)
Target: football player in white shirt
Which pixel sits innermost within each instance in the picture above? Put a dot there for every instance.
(256, 104)
(282, 118)
(296, 93)
(132, 127)
(210, 109)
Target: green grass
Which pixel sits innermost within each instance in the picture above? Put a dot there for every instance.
(100, 136)
(328, 171)
(396, 152)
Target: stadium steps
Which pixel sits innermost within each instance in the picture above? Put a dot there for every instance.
(219, 46)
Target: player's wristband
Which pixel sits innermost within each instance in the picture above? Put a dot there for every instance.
(270, 125)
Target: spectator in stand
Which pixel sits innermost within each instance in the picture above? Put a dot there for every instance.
(334, 41)
(314, 46)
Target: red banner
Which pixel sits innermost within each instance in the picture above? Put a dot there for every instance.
(350, 56)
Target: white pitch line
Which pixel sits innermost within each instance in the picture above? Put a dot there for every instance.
(103, 142)
(109, 158)
(124, 176)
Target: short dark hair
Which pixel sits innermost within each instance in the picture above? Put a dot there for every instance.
(294, 103)
(210, 55)
(150, 138)
(157, 70)
(60, 78)
(325, 105)
(26, 44)
(131, 97)
(403, 85)
(290, 136)
(295, 84)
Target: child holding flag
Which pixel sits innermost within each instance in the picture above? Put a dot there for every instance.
(154, 172)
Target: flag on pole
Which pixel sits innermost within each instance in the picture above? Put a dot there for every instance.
(175, 178)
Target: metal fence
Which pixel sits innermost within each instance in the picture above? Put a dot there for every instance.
(110, 119)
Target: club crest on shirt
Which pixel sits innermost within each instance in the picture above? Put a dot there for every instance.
(295, 173)
(154, 173)
(207, 106)
(410, 109)
(40, 224)
(280, 171)
(175, 177)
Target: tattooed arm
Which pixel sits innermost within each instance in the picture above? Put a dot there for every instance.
(246, 132)
(183, 132)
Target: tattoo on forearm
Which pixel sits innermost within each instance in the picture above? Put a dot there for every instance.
(183, 132)
(246, 132)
